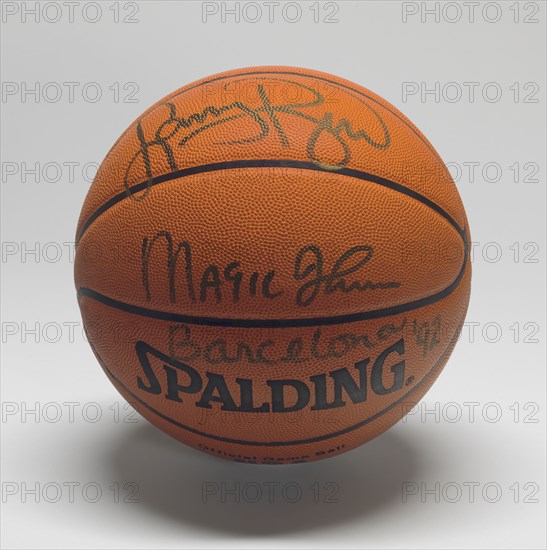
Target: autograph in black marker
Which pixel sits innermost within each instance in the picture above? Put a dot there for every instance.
(266, 119)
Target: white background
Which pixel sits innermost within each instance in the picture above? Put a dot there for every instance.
(352, 501)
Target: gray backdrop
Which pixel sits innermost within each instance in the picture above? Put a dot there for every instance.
(465, 470)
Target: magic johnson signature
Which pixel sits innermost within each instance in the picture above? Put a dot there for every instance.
(170, 133)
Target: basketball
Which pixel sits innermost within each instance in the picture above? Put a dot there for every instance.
(272, 265)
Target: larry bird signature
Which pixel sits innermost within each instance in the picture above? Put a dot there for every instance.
(177, 130)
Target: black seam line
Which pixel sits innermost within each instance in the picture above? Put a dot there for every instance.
(297, 322)
(368, 420)
(264, 163)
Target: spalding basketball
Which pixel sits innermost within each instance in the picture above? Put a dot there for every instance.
(272, 265)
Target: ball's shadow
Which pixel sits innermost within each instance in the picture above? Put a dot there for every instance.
(188, 486)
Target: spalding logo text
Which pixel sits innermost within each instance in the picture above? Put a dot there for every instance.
(320, 392)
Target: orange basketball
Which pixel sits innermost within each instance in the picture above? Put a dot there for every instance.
(272, 265)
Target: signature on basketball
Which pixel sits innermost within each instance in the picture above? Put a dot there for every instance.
(232, 281)
(177, 129)
(319, 346)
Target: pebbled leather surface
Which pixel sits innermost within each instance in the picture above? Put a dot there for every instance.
(329, 204)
